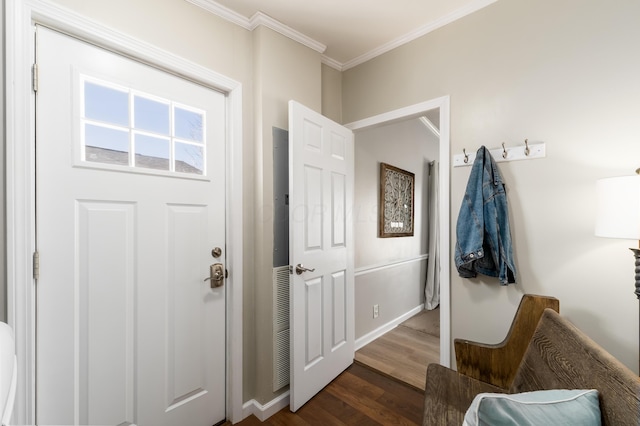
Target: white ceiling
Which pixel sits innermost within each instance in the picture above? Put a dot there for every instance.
(347, 32)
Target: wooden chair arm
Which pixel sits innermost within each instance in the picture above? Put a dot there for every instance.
(448, 395)
(497, 363)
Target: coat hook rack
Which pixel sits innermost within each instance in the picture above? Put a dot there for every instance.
(528, 151)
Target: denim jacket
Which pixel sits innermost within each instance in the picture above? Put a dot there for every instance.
(483, 235)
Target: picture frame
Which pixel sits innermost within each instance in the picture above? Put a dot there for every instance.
(396, 203)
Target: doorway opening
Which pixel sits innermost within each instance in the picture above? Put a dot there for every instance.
(390, 272)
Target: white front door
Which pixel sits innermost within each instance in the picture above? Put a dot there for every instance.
(321, 172)
(130, 205)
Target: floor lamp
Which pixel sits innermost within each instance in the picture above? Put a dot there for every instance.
(618, 215)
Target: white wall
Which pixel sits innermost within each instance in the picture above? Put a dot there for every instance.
(560, 71)
(3, 273)
(397, 289)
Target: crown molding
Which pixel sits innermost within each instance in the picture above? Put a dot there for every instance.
(418, 32)
(331, 63)
(260, 18)
(223, 12)
(256, 20)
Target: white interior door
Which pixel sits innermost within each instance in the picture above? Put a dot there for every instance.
(321, 171)
(130, 204)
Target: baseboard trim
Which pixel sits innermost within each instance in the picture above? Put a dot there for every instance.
(373, 335)
(264, 411)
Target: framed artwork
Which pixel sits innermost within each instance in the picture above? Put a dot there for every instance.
(397, 188)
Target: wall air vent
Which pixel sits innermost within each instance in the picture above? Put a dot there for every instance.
(280, 327)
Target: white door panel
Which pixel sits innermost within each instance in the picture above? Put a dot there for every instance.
(128, 331)
(321, 238)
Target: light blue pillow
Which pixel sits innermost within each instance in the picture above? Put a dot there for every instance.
(540, 408)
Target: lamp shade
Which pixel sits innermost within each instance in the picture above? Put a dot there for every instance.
(618, 207)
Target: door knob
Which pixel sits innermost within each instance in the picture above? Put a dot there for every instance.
(216, 275)
(300, 269)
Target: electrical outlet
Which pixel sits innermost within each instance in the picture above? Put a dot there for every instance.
(375, 311)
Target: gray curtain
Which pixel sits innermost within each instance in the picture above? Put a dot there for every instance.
(432, 286)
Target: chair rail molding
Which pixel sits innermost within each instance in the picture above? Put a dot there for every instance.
(382, 266)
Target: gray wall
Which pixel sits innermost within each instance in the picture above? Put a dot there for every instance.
(397, 289)
(559, 71)
(280, 197)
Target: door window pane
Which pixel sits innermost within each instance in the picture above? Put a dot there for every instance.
(151, 115)
(153, 133)
(106, 145)
(189, 158)
(152, 152)
(188, 125)
(106, 104)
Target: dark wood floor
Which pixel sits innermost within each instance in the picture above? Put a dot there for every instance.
(359, 396)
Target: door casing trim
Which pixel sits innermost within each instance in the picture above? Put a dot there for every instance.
(415, 111)
(20, 17)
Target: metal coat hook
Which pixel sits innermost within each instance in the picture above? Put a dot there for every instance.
(528, 151)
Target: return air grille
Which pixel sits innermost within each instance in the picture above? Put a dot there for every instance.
(280, 327)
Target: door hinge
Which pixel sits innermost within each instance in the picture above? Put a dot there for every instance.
(36, 265)
(34, 77)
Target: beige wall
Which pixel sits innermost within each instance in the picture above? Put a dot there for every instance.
(388, 272)
(332, 93)
(178, 27)
(283, 70)
(563, 72)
